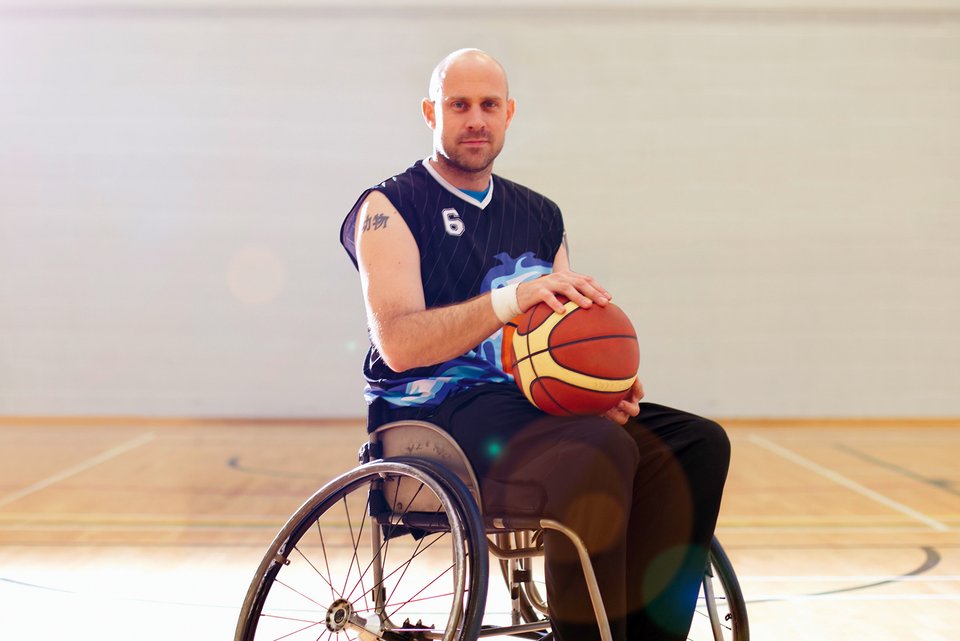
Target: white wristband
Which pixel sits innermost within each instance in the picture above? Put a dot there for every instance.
(505, 304)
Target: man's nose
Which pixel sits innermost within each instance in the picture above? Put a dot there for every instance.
(475, 119)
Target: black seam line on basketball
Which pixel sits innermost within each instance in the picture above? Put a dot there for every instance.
(536, 381)
(536, 377)
(576, 371)
(568, 343)
(941, 484)
(572, 369)
(931, 561)
(595, 391)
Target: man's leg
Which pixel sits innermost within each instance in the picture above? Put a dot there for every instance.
(676, 500)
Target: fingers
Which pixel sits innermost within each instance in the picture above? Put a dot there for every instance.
(554, 303)
(623, 412)
(628, 407)
(582, 290)
(617, 415)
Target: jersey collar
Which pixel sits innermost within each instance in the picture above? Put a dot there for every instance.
(456, 192)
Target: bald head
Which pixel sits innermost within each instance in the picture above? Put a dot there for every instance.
(469, 61)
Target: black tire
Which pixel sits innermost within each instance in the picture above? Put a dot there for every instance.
(351, 556)
(729, 610)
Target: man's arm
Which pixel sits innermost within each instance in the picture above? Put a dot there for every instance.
(407, 334)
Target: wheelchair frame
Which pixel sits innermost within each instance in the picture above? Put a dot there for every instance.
(432, 492)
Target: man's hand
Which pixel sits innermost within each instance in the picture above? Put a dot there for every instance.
(628, 407)
(582, 290)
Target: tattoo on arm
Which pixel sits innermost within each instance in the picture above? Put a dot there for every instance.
(374, 222)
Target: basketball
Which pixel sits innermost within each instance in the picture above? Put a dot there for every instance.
(582, 362)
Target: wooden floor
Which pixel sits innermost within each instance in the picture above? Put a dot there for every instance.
(151, 530)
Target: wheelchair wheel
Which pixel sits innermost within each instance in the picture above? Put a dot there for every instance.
(721, 613)
(360, 560)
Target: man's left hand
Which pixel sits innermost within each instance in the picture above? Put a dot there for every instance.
(628, 407)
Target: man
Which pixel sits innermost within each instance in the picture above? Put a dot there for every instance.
(447, 253)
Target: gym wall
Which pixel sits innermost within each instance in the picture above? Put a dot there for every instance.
(771, 192)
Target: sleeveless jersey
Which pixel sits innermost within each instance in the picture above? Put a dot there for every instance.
(466, 248)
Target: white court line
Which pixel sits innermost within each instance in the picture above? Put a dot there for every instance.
(847, 483)
(77, 469)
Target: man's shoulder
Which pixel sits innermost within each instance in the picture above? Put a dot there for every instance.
(516, 189)
(415, 173)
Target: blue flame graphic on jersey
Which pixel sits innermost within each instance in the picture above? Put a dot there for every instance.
(508, 272)
(475, 367)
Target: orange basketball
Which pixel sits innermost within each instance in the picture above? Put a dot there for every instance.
(578, 363)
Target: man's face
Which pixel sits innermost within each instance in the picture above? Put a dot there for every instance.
(471, 115)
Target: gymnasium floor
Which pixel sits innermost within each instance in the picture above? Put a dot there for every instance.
(148, 530)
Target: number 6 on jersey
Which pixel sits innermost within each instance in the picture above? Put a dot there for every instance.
(452, 222)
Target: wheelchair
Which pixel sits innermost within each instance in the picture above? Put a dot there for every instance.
(397, 549)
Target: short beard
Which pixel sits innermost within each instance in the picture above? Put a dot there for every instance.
(462, 164)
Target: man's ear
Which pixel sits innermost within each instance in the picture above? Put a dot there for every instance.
(429, 109)
(511, 107)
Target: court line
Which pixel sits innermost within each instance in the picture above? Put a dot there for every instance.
(839, 479)
(113, 452)
(941, 484)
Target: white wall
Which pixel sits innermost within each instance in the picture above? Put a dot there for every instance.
(770, 191)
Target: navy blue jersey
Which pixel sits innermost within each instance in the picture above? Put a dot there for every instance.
(466, 248)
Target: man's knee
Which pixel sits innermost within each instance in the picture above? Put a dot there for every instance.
(710, 447)
(714, 438)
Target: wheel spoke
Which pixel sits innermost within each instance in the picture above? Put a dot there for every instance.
(414, 598)
(290, 634)
(356, 558)
(334, 596)
(406, 564)
(296, 591)
(323, 548)
(355, 542)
